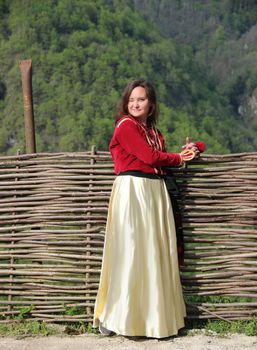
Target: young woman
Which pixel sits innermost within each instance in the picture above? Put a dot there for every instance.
(140, 291)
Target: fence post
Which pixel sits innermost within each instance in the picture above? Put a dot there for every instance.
(88, 245)
(26, 76)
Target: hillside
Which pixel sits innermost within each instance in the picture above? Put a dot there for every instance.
(84, 53)
(223, 36)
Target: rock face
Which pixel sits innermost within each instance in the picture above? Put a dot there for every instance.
(249, 108)
(2, 90)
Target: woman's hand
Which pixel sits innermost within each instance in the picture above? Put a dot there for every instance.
(187, 154)
(191, 146)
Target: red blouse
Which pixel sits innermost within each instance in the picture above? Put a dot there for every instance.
(137, 147)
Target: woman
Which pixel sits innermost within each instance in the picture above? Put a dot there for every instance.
(140, 291)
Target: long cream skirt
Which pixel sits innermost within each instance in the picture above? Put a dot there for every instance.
(140, 291)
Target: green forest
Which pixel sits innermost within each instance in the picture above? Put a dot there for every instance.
(200, 55)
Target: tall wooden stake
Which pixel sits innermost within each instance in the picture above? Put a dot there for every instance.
(26, 76)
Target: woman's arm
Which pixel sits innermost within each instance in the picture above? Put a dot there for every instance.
(132, 139)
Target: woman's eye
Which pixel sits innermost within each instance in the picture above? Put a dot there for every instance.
(139, 99)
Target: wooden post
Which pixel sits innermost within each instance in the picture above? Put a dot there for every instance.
(88, 245)
(26, 76)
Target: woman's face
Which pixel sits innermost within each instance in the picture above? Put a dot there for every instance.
(138, 104)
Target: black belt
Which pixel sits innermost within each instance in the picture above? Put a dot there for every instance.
(139, 173)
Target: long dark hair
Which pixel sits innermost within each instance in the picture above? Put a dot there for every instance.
(122, 108)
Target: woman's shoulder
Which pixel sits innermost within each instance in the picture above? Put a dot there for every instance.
(124, 121)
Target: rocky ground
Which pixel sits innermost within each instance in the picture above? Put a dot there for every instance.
(97, 342)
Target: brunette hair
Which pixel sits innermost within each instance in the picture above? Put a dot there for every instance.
(122, 108)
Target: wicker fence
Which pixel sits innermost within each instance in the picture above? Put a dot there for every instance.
(53, 211)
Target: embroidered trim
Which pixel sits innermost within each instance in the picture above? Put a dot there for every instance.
(156, 144)
(123, 120)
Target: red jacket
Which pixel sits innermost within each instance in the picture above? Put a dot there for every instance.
(136, 147)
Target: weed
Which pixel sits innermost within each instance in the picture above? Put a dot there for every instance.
(222, 327)
(79, 328)
(27, 329)
(24, 313)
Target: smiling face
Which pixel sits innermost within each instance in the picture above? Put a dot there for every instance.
(138, 104)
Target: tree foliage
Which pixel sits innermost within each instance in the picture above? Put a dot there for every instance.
(84, 53)
(223, 37)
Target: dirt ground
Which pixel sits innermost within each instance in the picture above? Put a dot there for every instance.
(97, 342)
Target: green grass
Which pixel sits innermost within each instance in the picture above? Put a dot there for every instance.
(80, 328)
(222, 328)
(28, 328)
(23, 326)
(25, 329)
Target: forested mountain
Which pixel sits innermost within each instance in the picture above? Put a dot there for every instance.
(85, 51)
(223, 37)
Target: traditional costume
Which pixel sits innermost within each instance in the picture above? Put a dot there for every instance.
(140, 291)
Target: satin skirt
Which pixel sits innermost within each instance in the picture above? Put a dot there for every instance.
(140, 292)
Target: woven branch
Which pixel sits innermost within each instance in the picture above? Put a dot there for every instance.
(53, 209)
